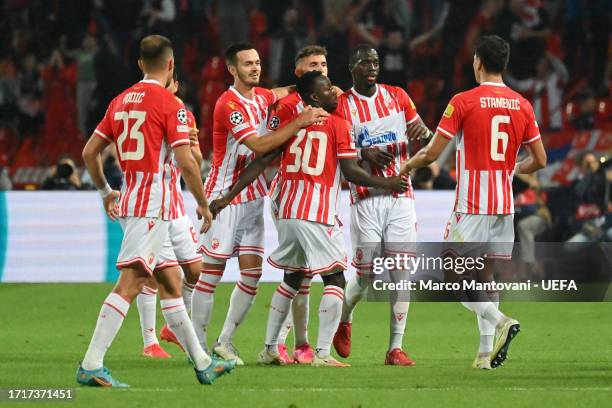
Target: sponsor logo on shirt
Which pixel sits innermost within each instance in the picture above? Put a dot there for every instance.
(448, 112)
(238, 128)
(364, 139)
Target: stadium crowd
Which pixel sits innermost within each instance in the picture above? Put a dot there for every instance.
(61, 62)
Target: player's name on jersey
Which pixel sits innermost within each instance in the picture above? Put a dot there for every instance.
(133, 97)
(430, 285)
(505, 103)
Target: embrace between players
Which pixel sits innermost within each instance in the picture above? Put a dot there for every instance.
(318, 134)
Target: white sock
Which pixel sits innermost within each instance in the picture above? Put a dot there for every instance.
(285, 328)
(330, 309)
(487, 310)
(187, 293)
(487, 330)
(176, 316)
(279, 310)
(355, 289)
(114, 309)
(241, 301)
(202, 303)
(299, 310)
(146, 302)
(399, 315)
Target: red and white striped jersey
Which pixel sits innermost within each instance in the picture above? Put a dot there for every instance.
(145, 122)
(289, 107)
(236, 118)
(379, 121)
(491, 122)
(309, 179)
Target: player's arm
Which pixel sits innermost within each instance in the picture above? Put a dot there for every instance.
(191, 174)
(261, 145)
(417, 130)
(247, 176)
(535, 160)
(92, 157)
(194, 144)
(283, 91)
(426, 155)
(355, 174)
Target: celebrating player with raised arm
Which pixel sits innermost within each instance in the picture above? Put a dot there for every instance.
(149, 129)
(239, 133)
(491, 122)
(309, 58)
(310, 239)
(383, 118)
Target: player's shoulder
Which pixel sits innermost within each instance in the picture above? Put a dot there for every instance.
(393, 90)
(229, 101)
(290, 100)
(336, 120)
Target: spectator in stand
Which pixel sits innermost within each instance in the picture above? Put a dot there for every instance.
(586, 115)
(285, 44)
(231, 18)
(64, 176)
(394, 59)
(112, 171)
(433, 177)
(160, 16)
(86, 80)
(30, 112)
(333, 35)
(5, 180)
(545, 91)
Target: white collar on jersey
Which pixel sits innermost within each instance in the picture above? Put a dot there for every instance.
(152, 81)
(367, 98)
(247, 100)
(493, 83)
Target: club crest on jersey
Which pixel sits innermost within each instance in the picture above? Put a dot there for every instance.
(236, 118)
(389, 103)
(182, 116)
(215, 243)
(274, 122)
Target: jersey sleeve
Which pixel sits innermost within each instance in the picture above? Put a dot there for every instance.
(532, 131)
(410, 112)
(345, 142)
(176, 123)
(104, 130)
(282, 114)
(191, 122)
(452, 118)
(269, 95)
(235, 119)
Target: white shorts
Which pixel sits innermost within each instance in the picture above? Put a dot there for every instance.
(382, 221)
(180, 248)
(237, 230)
(492, 235)
(143, 240)
(306, 246)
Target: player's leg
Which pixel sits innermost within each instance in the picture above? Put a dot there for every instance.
(282, 337)
(400, 239)
(248, 239)
(146, 301)
(366, 236)
(175, 314)
(114, 309)
(303, 352)
(486, 329)
(280, 308)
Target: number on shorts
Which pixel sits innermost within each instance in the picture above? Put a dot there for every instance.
(302, 158)
(496, 136)
(134, 133)
(194, 236)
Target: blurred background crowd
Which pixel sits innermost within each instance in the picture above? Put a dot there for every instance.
(62, 61)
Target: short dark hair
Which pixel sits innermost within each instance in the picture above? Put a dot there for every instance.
(309, 50)
(305, 84)
(354, 55)
(494, 52)
(155, 51)
(175, 74)
(234, 49)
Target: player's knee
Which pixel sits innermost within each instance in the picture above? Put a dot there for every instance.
(335, 279)
(294, 280)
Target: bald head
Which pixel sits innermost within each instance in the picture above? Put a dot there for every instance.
(155, 52)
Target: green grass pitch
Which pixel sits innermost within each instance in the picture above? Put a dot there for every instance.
(562, 357)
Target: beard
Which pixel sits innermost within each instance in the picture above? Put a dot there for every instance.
(245, 78)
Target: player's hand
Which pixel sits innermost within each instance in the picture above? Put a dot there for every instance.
(377, 157)
(217, 205)
(110, 205)
(397, 184)
(418, 131)
(205, 215)
(193, 135)
(405, 169)
(311, 115)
